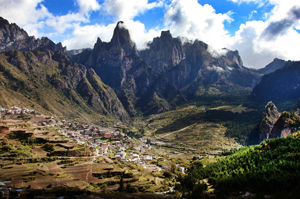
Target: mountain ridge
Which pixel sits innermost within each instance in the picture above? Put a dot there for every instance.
(41, 74)
(14, 37)
(137, 85)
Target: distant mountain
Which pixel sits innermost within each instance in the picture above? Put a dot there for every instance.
(279, 86)
(273, 66)
(138, 86)
(43, 76)
(192, 69)
(115, 79)
(78, 51)
(13, 37)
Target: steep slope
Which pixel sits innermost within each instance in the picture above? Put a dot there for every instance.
(191, 68)
(270, 169)
(137, 85)
(163, 52)
(13, 37)
(42, 75)
(281, 86)
(273, 66)
(50, 82)
(275, 124)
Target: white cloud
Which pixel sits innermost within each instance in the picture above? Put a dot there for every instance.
(85, 6)
(86, 36)
(251, 14)
(246, 42)
(128, 9)
(259, 2)
(259, 42)
(139, 34)
(195, 21)
(35, 18)
(22, 11)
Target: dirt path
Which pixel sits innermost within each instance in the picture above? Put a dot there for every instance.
(91, 167)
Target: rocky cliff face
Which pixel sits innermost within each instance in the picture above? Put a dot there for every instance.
(275, 124)
(13, 37)
(53, 82)
(135, 82)
(270, 117)
(191, 68)
(284, 126)
(40, 72)
(163, 52)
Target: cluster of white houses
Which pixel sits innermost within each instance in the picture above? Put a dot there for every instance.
(140, 160)
(17, 110)
(97, 137)
(107, 139)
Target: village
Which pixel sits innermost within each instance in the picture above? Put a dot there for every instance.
(78, 153)
(102, 141)
(106, 141)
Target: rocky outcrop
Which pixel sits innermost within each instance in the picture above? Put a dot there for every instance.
(13, 37)
(270, 117)
(284, 126)
(190, 67)
(134, 81)
(163, 52)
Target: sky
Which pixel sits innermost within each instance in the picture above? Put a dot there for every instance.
(260, 30)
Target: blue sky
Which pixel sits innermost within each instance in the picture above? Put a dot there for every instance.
(259, 29)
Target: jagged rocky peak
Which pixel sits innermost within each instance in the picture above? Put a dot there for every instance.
(273, 66)
(10, 32)
(271, 110)
(121, 39)
(99, 41)
(98, 45)
(235, 57)
(200, 44)
(166, 35)
(270, 116)
(163, 52)
(14, 37)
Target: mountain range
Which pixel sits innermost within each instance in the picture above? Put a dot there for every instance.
(279, 86)
(116, 80)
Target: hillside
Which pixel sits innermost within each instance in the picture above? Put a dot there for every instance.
(51, 83)
(44, 157)
(273, 66)
(280, 86)
(38, 73)
(269, 169)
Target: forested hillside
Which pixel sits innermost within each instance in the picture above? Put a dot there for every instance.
(270, 168)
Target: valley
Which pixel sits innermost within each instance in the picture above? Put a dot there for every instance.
(36, 154)
(173, 120)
